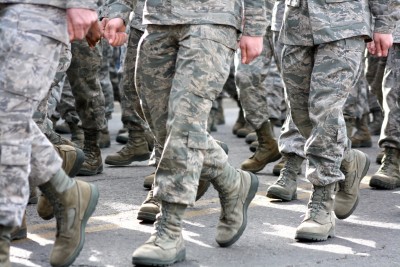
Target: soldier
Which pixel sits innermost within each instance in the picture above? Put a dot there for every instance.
(182, 67)
(29, 55)
(388, 175)
(324, 46)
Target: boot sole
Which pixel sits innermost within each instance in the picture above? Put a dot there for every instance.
(83, 172)
(365, 170)
(314, 237)
(379, 184)
(250, 195)
(80, 158)
(146, 217)
(94, 197)
(129, 161)
(274, 194)
(153, 262)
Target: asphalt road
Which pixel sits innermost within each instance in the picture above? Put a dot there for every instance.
(370, 237)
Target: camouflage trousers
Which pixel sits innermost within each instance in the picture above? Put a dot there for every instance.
(105, 78)
(390, 136)
(374, 75)
(356, 104)
(181, 69)
(318, 80)
(28, 63)
(83, 76)
(132, 115)
(290, 140)
(48, 105)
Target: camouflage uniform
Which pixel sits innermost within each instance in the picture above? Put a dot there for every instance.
(316, 98)
(390, 135)
(290, 140)
(105, 80)
(179, 44)
(30, 52)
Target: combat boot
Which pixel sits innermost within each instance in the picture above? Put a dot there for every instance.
(73, 159)
(137, 149)
(72, 209)
(166, 245)
(251, 137)
(377, 119)
(236, 189)
(286, 186)
(354, 166)
(122, 137)
(240, 122)
(20, 232)
(149, 180)
(388, 175)
(267, 150)
(319, 221)
(379, 157)
(253, 146)
(362, 137)
(93, 163)
(245, 130)
(104, 138)
(150, 206)
(5, 240)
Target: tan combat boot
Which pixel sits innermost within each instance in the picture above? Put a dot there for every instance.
(355, 166)
(388, 175)
(166, 245)
(362, 137)
(5, 240)
(72, 210)
(136, 149)
(150, 206)
(267, 150)
(319, 221)
(245, 130)
(285, 187)
(73, 159)
(93, 163)
(251, 137)
(236, 189)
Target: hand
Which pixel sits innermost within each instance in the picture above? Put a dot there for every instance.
(79, 21)
(114, 32)
(94, 35)
(381, 44)
(250, 48)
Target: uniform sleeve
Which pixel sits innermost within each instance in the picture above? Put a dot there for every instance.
(384, 12)
(255, 18)
(87, 4)
(118, 9)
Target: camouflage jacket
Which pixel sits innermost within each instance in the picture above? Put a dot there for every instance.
(176, 12)
(312, 22)
(87, 4)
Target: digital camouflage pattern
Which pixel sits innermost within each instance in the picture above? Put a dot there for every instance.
(132, 115)
(104, 77)
(178, 89)
(28, 63)
(390, 134)
(317, 94)
(83, 76)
